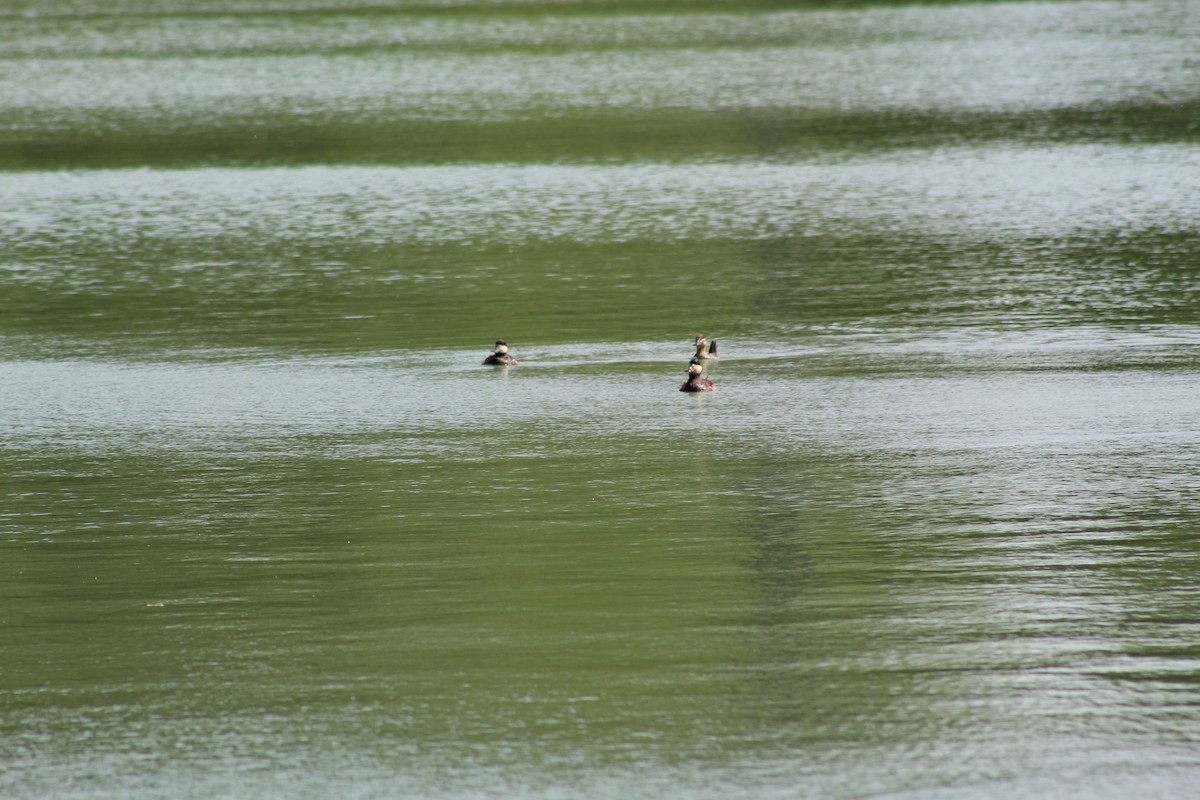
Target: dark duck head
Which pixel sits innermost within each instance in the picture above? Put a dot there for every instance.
(695, 381)
(500, 355)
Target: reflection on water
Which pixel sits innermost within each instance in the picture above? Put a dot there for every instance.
(423, 568)
(267, 527)
(334, 257)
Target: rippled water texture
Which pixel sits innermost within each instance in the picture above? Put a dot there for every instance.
(268, 528)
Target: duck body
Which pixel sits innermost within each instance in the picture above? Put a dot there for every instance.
(499, 359)
(499, 356)
(695, 382)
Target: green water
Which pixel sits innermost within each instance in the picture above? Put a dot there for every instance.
(269, 529)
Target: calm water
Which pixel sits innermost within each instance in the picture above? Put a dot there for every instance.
(268, 529)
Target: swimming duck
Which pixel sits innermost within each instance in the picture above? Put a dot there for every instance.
(500, 355)
(695, 383)
(704, 348)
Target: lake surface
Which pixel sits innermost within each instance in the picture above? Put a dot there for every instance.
(269, 529)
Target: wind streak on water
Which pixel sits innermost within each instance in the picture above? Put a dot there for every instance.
(990, 56)
(419, 253)
(1019, 191)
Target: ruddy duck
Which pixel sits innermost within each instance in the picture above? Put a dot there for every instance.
(704, 348)
(695, 383)
(500, 355)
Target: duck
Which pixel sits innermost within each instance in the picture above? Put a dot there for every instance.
(705, 350)
(696, 383)
(500, 356)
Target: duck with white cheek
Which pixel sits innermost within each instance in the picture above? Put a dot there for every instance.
(499, 356)
(696, 383)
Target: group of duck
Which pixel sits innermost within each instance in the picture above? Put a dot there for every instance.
(696, 382)
(705, 351)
